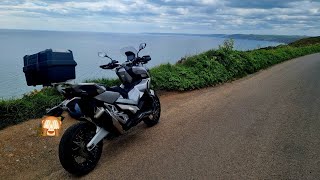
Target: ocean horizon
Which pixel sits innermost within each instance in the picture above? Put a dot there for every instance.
(163, 48)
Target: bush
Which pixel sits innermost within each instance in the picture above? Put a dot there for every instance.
(305, 41)
(105, 82)
(32, 105)
(221, 65)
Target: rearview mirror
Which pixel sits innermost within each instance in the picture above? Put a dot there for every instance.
(142, 46)
(102, 54)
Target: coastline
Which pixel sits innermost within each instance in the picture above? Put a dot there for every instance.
(207, 69)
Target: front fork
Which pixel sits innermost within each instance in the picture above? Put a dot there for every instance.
(101, 133)
(63, 106)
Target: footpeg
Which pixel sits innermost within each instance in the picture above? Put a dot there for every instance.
(137, 119)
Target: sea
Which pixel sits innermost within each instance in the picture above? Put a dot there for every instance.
(163, 48)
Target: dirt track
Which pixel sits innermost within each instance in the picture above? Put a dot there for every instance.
(264, 126)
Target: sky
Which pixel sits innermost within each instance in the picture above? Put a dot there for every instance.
(288, 17)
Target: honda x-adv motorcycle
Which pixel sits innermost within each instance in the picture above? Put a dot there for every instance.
(105, 111)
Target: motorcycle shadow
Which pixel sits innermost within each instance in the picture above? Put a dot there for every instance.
(117, 146)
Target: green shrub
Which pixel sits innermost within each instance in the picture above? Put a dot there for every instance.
(105, 82)
(306, 41)
(32, 105)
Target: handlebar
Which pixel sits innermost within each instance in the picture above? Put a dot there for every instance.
(142, 60)
(113, 64)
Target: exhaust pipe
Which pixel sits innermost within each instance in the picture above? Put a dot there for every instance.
(99, 112)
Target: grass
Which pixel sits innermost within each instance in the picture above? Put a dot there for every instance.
(104, 81)
(206, 69)
(306, 41)
(275, 38)
(218, 66)
(32, 105)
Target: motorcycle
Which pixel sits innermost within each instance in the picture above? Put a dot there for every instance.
(105, 112)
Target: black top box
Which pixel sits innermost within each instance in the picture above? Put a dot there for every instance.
(49, 66)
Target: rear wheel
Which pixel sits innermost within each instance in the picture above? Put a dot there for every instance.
(154, 118)
(73, 153)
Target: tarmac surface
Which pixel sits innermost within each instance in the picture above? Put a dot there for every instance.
(263, 126)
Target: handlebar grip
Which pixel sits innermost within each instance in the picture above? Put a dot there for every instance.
(114, 62)
(111, 65)
(146, 58)
(137, 60)
(103, 66)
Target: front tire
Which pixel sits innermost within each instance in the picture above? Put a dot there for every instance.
(73, 153)
(154, 118)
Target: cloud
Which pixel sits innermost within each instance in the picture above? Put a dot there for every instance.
(185, 16)
(264, 4)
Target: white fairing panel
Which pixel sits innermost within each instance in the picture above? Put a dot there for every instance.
(133, 109)
(127, 101)
(134, 94)
(143, 85)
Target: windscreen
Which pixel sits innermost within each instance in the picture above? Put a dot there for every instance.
(126, 49)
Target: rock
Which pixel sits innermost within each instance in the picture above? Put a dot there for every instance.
(10, 155)
(8, 149)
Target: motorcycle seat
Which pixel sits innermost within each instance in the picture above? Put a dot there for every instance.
(118, 89)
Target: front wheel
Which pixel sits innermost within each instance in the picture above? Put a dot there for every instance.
(153, 119)
(73, 153)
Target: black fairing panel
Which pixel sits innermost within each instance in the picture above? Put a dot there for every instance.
(108, 97)
(123, 92)
(135, 77)
(87, 90)
(130, 55)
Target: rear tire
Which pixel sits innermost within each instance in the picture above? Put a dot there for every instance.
(154, 118)
(73, 153)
